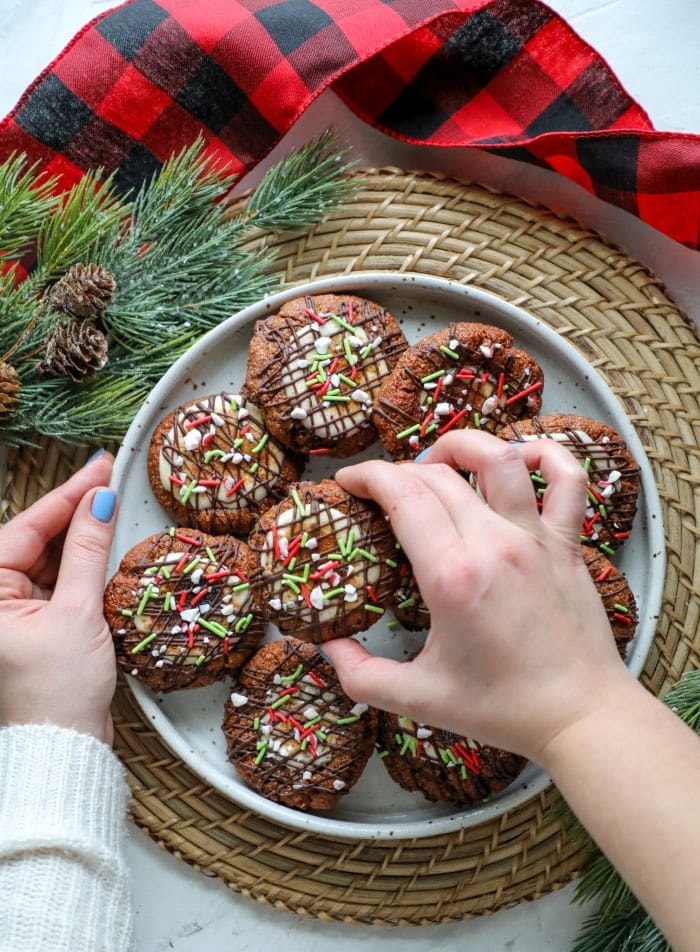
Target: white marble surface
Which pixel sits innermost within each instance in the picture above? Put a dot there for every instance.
(655, 50)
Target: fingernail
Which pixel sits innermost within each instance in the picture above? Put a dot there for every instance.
(103, 504)
(422, 455)
(96, 455)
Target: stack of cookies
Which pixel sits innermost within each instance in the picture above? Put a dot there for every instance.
(330, 375)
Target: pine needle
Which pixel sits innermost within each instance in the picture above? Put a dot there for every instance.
(25, 200)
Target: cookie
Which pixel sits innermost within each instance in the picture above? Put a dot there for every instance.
(619, 602)
(408, 606)
(214, 465)
(183, 609)
(315, 369)
(292, 733)
(327, 562)
(442, 765)
(465, 376)
(613, 474)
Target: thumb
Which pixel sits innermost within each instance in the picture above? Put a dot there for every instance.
(81, 576)
(381, 682)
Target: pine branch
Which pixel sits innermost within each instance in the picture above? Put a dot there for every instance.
(630, 931)
(25, 200)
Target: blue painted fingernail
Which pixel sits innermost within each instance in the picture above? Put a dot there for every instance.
(422, 455)
(96, 455)
(103, 504)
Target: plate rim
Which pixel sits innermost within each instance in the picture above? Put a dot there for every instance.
(356, 281)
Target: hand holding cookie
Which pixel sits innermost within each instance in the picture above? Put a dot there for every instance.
(516, 660)
(56, 655)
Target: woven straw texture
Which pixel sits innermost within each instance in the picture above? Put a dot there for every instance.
(617, 314)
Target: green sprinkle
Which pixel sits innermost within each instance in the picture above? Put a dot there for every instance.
(342, 721)
(188, 492)
(234, 404)
(343, 323)
(463, 772)
(171, 532)
(451, 756)
(443, 755)
(295, 675)
(280, 701)
(307, 569)
(242, 623)
(336, 556)
(333, 393)
(592, 497)
(347, 380)
(258, 446)
(429, 401)
(261, 754)
(191, 565)
(392, 624)
(406, 744)
(397, 545)
(408, 431)
(292, 562)
(142, 644)
(587, 463)
(433, 426)
(336, 399)
(293, 585)
(144, 599)
(366, 351)
(538, 479)
(305, 743)
(254, 467)
(213, 626)
(430, 377)
(166, 603)
(256, 723)
(365, 554)
(210, 454)
(398, 738)
(165, 571)
(152, 571)
(210, 555)
(603, 511)
(241, 588)
(127, 612)
(321, 735)
(351, 358)
(584, 538)
(608, 549)
(375, 609)
(350, 539)
(333, 592)
(200, 660)
(449, 352)
(383, 754)
(238, 442)
(407, 603)
(322, 375)
(294, 578)
(477, 420)
(314, 720)
(297, 502)
(391, 563)
(622, 608)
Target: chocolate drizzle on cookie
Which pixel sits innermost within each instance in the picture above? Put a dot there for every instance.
(469, 377)
(182, 602)
(613, 476)
(325, 369)
(327, 562)
(292, 732)
(619, 602)
(442, 765)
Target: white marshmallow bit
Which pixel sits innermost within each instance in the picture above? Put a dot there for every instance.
(338, 784)
(227, 609)
(236, 459)
(275, 604)
(413, 441)
(361, 396)
(302, 363)
(298, 413)
(490, 404)
(178, 460)
(217, 420)
(197, 576)
(238, 700)
(614, 476)
(189, 614)
(306, 775)
(243, 413)
(454, 344)
(159, 663)
(358, 710)
(192, 440)
(134, 672)
(311, 543)
(310, 712)
(316, 597)
(423, 732)
(447, 380)
(322, 344)
(442, 409)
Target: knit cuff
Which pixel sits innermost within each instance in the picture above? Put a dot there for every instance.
(55, 779)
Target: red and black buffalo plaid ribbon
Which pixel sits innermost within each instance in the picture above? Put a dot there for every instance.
(507, 76)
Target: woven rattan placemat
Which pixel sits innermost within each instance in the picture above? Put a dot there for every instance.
(617, 314)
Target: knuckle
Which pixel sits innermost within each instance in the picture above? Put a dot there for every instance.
(88, 547)
(441, 470)
(505, 455)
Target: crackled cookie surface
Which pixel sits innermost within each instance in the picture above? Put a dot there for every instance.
(315, 369)
(617, 597)
(464, 376)
(613, 475)
(213, 463)
(291, 731)
(442, 765)
(183, 609)
(327, 561)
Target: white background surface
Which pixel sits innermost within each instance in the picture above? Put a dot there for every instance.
(655, 51)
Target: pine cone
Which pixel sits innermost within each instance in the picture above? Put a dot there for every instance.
(83, 291)
(9, 387)
(76, 349)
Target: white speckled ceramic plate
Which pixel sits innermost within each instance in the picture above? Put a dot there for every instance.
(190, 721)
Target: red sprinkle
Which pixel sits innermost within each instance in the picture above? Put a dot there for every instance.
(198, 422)
(242, 576)
(524, 393)
(174, 479)
(208, 438)
(236, 486)
(215, 576)
(246, 429)
(353, 372)
(183, 562)
(604, 574)
(451, 422)
(351, 311)
(465, 374)
(595, 495)
(620, 535)
(403, 571)
(319, 452)
(324, 388)
(438, 388)
(419, 748)
(312, 745)
(627, 620)
(208, 482)
(333, 366)
(225, 644)
(181, 603)
(291, 690)
(188, 539)
(319, 681)
(292, 549)
(314, 316)
(276, 542)
(501, 383)
(426, 421)
(199, 596)
(370, 592)
(305, 593)
(190, 638)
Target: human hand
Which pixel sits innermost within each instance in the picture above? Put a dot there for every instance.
(56, 655)
(520, 646)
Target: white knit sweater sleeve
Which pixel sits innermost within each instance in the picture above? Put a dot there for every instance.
(63, 880)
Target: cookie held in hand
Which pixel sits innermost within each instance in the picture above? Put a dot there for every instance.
(465, 376)
(327, 562)
(291, 731)
(214, 465)
(183, 609)
(315, 368)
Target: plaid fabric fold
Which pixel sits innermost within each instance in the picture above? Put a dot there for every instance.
(507, 76)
